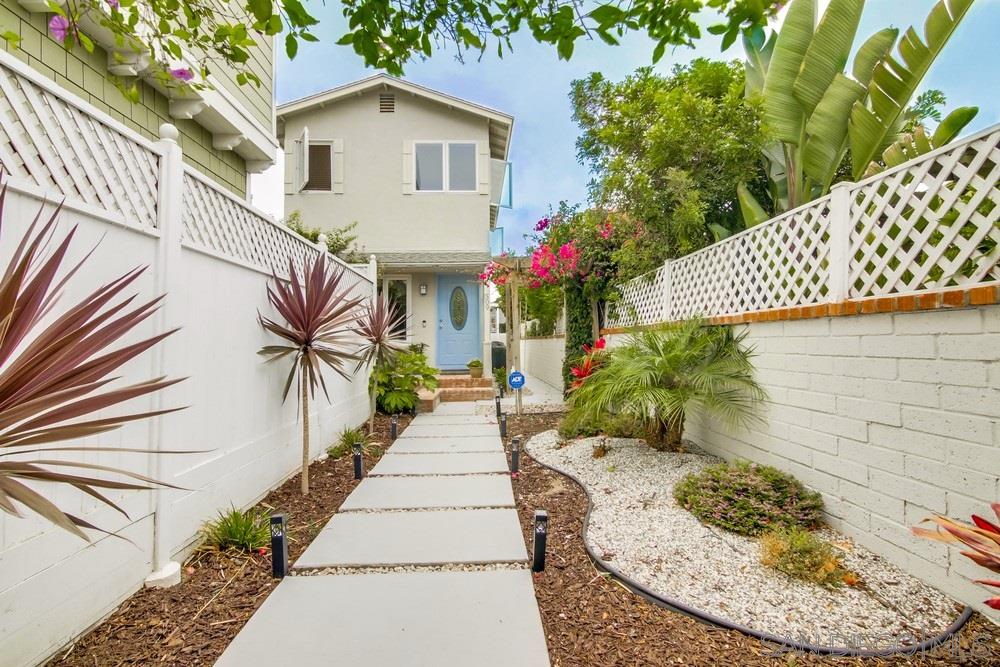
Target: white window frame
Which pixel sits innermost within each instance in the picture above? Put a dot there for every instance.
(408, 279)
(308, 147)
(445, 177)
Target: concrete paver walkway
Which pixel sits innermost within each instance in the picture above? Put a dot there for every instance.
(440, 496)
(401, 619)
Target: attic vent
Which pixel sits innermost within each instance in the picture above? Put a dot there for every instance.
(386, 103)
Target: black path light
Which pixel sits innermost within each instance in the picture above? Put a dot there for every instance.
(496, 399)
(503, 425)
(541, 533)
(279, 545)
(393, 427)
(515, 456)
(358, 469)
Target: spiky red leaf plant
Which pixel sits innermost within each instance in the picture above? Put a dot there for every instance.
(382, 330)
(982, 537)
(319, 312)
(55, 372)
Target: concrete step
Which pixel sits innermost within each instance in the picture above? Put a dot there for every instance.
(425, 430)
(440, 464)
(435, 537)
(418, 619)
(455, 394)
(478, 443)
(410, 493)
(464, 382)
(429, 400)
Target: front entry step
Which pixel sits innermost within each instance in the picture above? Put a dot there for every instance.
(450, 381)
(455, 394)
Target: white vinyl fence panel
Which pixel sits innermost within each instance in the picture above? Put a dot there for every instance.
(211, 255)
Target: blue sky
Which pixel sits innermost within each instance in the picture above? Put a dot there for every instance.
(532, 84)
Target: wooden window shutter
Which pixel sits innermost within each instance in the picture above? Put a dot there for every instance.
(407, 167)
(484, 167)
(302, 160)
(338, 166)
(320, 168)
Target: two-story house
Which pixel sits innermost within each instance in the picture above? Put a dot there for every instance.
(423, 174)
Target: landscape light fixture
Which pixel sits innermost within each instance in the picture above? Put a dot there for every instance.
(393, 427)
(503, 425)
(541, 533)
(497, 400)
(515, 456)
(358, 472)
(279, 545)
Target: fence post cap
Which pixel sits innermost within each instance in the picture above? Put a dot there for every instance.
(169, 132)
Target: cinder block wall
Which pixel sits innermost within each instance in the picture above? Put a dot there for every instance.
(892, 417)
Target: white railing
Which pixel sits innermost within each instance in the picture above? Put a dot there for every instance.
(929, 224)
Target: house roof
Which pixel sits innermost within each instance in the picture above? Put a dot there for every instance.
(416, 259)
(501, 124)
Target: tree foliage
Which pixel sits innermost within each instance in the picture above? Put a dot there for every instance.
(387, 34)
(667, 150)
(817, 112)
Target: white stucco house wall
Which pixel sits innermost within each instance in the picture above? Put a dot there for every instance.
(422, 173)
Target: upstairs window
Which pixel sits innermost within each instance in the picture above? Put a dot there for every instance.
(320, 168)
(445, 166)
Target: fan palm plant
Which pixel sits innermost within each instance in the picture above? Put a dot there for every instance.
(379, 327)
(319, 312)
(661, 376)
(55, 372)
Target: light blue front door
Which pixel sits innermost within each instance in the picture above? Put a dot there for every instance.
(458, 335)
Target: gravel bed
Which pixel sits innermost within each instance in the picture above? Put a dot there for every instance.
(637, 526)
(386, 569)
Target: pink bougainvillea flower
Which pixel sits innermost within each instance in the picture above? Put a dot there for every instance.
(113, 3)
(605, 231)
(542, 225)
(182, 74)
(59, 28)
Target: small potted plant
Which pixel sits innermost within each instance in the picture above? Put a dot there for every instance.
(475, 368)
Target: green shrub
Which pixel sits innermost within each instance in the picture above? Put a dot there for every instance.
(395, 383)
(577, 425)
(801, 554)
(579, 328)
(500, 378)
(237, 529)
(348, 438)
(749, 499)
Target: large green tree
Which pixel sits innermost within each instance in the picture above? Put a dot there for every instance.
(667, 150)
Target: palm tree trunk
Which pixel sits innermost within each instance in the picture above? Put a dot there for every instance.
(305, 434)
(371, 411)
(675, 433)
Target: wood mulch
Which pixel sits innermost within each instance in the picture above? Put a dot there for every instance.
(590, 619)
(193, 622)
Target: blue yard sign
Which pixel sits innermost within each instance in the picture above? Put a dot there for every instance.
(516, 379)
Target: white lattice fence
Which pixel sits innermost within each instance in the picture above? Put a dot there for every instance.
(55, 143)
(932, 225)
(642, 300)
(217, 221)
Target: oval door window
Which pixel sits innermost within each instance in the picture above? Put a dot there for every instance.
(458, 308)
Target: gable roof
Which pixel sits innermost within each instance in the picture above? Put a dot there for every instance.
(501, 124)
